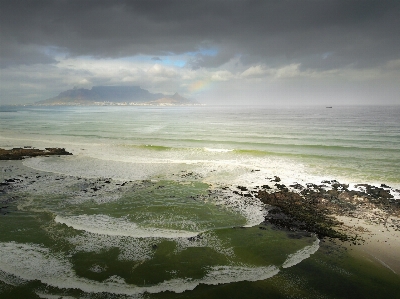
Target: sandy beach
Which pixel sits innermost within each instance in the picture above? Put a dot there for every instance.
(381, 242)
(363, 218)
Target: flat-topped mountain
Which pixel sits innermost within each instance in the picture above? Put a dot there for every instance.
(114, 95)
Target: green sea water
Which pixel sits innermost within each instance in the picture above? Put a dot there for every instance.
(354, 143)
(145, 207)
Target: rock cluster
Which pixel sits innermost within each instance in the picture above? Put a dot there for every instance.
(312, 207)
(295, 212)
(21, 153)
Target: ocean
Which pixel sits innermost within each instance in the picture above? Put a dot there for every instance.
(146, 206)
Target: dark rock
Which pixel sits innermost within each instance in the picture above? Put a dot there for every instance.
(276, 179)
(295, 212)
(297, 186)
(281, 187)
(311, 208)
(376, 192)
(21, 153)
(195, 238)
(339, 186)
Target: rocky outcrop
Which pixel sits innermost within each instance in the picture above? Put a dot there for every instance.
(312, 207)
(292, 211)
(21, 153)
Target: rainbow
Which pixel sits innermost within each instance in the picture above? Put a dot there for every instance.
(199, 85)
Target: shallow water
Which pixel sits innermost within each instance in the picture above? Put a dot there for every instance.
(145, 207)
(347, 143)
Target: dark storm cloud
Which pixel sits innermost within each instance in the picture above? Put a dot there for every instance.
(14, 54)
(202, 60)
(319, 34)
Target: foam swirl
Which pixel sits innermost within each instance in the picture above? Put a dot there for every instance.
(106, 225)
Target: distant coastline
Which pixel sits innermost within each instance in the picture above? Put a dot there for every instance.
(115, 96)
(114, 104)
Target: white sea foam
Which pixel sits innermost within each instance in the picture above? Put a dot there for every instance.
(97, 268)
(50, 296)
(228, 274)
(94, 168)
(250, 208)
(217, 275)
(141, 249)
(71, 188)
(300, 255)
(30, 259)
(11, 279)
(34, 262)
(106, 225)
(215, 165)
(132, 249)
(207, 239)
(217, 150)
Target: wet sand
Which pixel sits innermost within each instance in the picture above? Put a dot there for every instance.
(381, 242)
(364, 218)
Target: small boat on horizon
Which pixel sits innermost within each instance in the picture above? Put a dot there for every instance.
(329, 107)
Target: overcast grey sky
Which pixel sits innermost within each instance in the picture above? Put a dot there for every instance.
(218, 52)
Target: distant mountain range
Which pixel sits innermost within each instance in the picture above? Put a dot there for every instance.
(115, 95)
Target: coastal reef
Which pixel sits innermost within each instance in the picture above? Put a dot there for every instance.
(313, 207)
(21, 153)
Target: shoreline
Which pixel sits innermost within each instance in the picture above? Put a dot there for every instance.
(381, 245)
(365, 221)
